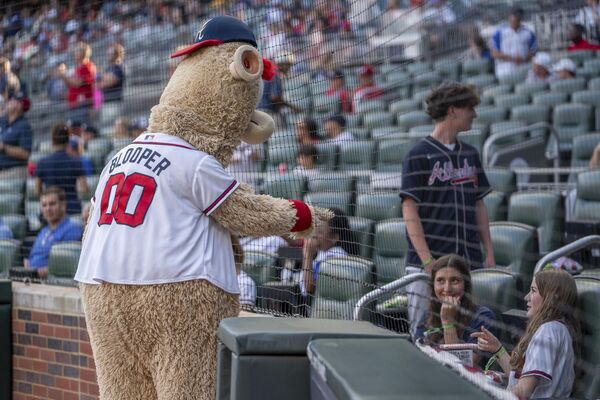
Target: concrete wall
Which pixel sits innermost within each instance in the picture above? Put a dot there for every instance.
(52, 356)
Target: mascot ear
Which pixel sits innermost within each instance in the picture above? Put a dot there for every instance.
(247, 64)
(259, 129)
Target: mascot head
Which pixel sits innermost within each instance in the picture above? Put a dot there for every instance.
(211, 98)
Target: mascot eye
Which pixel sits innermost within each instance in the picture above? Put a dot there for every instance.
(247, 64)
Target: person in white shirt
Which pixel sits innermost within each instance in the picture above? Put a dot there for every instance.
(330, 240)
(512, 44)
(542, 365)
(541, 69)
(589, 17)
(565, 69)
(335, 129)
(246, 283)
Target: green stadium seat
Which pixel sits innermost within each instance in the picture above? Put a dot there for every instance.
(587, 203)
(496, 289)
(281, 154)
(418, 68)
(530, 113)
(591, 97)
(587, 386)
(583, 147)
(481, 81)
(14, 185)
(356, 155)
(327, 154)
(419, 131)
(490, 114)
(592, 63)
(549, 98)
(493, 91)
(62, 263)
(30, 189)
(260, 266)
(397, 77)
(421, 95)
(353, 120)
(594, 84)
(342, 282)
(289, 186)
(386, 132)
(283, 138)
(505, 126)
(427, 80)
(571, 120)
(378, 206)
(390, 248)
(362, 133)
(496, 206)
(331, 182)
(511, 100)
(325, 105)
(404, 106)
(391, 154)
(587, 72)
(412, 118)
(448, 69)
(341, 200)
(474, 137)
(11, 203)
(378, 119)
(516, 76)
(502, 180)
(481, 126)
(97, 151)
(318, 87)
(580, 56)
(362, 229)
(542, 210)
(568, 85)
(531, 88)
(17, 224)
(9, 250)
(516, 248)
(369, 106)
(475, 67)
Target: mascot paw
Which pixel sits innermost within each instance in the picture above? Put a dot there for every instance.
(319, 216)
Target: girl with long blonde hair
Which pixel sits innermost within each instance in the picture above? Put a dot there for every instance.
(542, 365)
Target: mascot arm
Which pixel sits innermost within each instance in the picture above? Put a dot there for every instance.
(247, 213)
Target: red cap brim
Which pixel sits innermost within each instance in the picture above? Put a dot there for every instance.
(192, 48)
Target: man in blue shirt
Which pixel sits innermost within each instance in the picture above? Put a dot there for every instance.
(62, 169)
(59, 229)
(15, 136)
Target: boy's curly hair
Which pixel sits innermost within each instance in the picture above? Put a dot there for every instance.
(450, 94)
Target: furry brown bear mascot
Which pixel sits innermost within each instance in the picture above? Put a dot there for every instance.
(156, 270)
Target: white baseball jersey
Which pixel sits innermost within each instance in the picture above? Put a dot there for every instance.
(549, 356)
(151, 217)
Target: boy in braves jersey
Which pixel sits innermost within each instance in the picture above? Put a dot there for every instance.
(443, 186)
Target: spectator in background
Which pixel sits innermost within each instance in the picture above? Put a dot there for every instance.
(565, 69)
(121, 128)
(62, 170)
(443, 186)
(340, 95)
(9, 81)
(75, 149)
(478, 49)
(306, 160)
(335, 130)
(112, 81)
(330, 240)
(512, 44)
(5, 231)
(453, 315)
(542, 365)
(576, 32)
(88, 134)
(367, 89)
(245, 282)
(15, 138)
(56, 88)
(589, 18)
(58, 229)
(307, 131)
(273, 100)
(80, 97)
(541, 69)
(138, 126)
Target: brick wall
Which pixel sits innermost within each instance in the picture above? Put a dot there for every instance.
(52, 356)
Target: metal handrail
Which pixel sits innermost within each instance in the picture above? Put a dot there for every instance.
(566, 250)
(390, 287)
(512, 132)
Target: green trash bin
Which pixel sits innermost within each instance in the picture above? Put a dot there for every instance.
(5, 339)
(376, 369)
(265, 358)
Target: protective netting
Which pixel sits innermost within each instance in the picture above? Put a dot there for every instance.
(349, 105)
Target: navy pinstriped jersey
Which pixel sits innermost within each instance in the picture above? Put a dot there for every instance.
(446, 184)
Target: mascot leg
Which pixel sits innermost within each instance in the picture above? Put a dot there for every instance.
(163, 336)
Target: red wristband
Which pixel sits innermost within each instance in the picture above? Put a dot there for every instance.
(303, 215)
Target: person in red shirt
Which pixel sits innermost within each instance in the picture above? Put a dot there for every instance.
(337, 89)
(80, 97)
(367, 89)
(579, 43)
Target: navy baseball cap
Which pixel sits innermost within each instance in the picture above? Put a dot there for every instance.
(219, 30)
